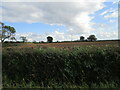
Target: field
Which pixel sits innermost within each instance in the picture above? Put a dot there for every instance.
(61, 44)
(61, 65)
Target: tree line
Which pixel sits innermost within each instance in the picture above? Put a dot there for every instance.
(8, 32)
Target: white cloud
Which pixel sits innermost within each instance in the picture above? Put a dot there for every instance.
(113, 21)
(106, 32)
(107, 35)
(50, 0)
(57, 0)
(109, 11)
(32, 36)
(61, 36)
(105, 12)
(57, 36)
(111, 15)
(75, 16)
(115, 2)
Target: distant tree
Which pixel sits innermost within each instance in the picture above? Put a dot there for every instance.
(34, 41)
(92, 38)
(6, 32)
(49, 39)
(41, 41)
(13, 38)
(23, 39)
(82, 38)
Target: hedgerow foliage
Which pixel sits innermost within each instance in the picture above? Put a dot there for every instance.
(76, 65)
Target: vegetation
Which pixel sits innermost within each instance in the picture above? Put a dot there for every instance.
(24, 39)
(92, 38)
(13, 38)
(49, 39)
(87, 66)
(6, 32)
(82, 38)
(41, 65)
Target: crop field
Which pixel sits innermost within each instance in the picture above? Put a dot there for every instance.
(61, 65)
(60, 44)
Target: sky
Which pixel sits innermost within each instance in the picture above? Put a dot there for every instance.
(62, 20)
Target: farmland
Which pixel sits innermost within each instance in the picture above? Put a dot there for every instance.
(62, 65)
(60, 44)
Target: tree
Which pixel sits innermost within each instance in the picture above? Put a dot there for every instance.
(13, 38)
(49, 39)
(6, 32)
(23, 39)
(41, 41)
(82, 38)
(34, 41)
(92, 38)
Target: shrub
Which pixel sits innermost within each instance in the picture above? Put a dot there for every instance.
(77, 65)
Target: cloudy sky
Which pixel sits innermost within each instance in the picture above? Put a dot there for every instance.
(61, 20)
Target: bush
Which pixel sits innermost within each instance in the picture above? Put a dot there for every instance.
(77, 65)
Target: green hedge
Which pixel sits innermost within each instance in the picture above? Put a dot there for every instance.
(77, 65)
